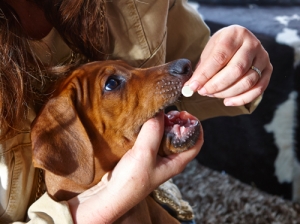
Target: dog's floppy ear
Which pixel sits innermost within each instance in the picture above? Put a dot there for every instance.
(60, 143)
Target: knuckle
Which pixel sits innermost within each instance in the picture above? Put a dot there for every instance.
(249, 82)
(264, 57)
(259, 91)
(236, 28)
(220, 58)
(267, 72)
(204, 75)
(244, 102)
(238, 102)
(239, 69)
(213, 87)
(246, 33)
(257, 44)
(240, 30)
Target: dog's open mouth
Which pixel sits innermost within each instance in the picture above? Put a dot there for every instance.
(181, 130)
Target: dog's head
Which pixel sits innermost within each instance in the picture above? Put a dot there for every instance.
(95, 115)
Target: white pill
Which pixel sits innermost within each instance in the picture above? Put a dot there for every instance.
(186, 91)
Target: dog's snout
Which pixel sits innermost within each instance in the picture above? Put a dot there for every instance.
(181, 67)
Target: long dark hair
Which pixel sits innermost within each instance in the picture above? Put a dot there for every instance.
(82, 25)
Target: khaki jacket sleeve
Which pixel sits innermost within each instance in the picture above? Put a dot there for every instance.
(187, 34)
(45, 210)
(186, 38)
(204, 107)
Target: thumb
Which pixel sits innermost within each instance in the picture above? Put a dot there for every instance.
(150, 136)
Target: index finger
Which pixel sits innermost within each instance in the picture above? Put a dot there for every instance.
(215, 56)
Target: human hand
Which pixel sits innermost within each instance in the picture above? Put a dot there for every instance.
(137, 174)
(224, 70)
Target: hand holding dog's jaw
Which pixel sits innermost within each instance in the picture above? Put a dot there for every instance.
(148, 166)
(138, 173)
(141, 169)
(135, 176)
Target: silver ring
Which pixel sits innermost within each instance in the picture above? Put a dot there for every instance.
(257, 70)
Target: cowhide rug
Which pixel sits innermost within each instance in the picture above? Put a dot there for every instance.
(218, 198)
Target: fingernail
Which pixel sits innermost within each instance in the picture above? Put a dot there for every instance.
(202, 92)
(228, 103)
(194, 86)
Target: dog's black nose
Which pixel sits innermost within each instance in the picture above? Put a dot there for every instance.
(181, 67)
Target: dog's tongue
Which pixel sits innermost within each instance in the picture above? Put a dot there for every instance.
(181, 124)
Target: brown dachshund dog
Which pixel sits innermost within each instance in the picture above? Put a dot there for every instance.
(94, 116)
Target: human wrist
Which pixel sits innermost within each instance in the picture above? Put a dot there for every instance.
(105, 202)
(95, 205)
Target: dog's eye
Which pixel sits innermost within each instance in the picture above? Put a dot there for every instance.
(111, 84)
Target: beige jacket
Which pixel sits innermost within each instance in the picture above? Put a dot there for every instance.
(143, 33)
